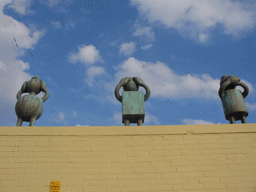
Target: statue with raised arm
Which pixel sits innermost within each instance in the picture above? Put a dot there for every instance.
(29, 108)
(132, 100)
(233, 99)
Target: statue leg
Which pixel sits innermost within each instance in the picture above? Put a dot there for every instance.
(19, 122)
(232, 120)
(126, 122)
(32, 121)
(139, 122)
(243, 119)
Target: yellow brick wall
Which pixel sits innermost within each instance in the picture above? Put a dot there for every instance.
(147, 158)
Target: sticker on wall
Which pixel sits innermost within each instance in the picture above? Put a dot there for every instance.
(55, 186)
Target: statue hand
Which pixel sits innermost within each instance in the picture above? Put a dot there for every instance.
(138, 81)
(124, 81)
(44, 89)
(234, 79)
(22, 90)
(43, 86)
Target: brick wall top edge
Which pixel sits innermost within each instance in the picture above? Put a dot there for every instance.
(129, 130)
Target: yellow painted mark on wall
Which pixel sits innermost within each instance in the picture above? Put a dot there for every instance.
(55, 186)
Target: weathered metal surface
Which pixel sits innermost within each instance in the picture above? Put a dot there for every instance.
(29, 108)
(131, 84)
(233, 99)
(132, 101)
(133, 106)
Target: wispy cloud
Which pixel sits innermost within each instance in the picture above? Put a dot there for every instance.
(251, 107)
(146, 46)
(86, 54)
(149, 119)
(19, 6)
(197, 18)
(70, 25)
(60, 117)
(113, 43)
(164, 82)
(146, 32)
(196, 122)
(56, 24)
(127, 49)
(13, 71)
(118, 118)
(92, 73)
(203, 37)
(75, 114)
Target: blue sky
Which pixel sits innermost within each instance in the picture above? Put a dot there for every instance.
(82, 49)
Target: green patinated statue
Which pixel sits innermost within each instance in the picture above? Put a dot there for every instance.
(233, 99)
(29, 108)
(132, 100)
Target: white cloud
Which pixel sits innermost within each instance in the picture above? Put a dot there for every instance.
(12, 70)
(151, 119)
(163, 82)
(89, 55)
(196, 122)
(3, 67)
(144, 31)
(92, 73)
(60, 117)
(86, 54)
(11, 28)
(70, 25)
(56, 24)
(197, 17)
(127, 49)
(81, 125)
(146, 46)
(249, 85)
(75, 114)
(52, 3)
(251, 107)
(18, 5)
(113, 43)
(203, 37)
(118, 118)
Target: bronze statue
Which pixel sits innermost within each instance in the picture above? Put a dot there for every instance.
(233, 99)
(29, 108)
(132, 100)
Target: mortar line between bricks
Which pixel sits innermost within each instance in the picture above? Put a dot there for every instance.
(143, 134)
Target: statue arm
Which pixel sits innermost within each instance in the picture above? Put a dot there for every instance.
(223, 87)
(246, 89)
(122, 82)
(22, 90)
(141, 83)
(44, 89)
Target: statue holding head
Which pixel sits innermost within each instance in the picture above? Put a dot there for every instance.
(132, 100)
(233, 99)
(29, 108)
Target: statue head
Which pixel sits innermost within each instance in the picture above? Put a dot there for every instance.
(130, 85)
(34, 85)
(223, 79)
(233, 80)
